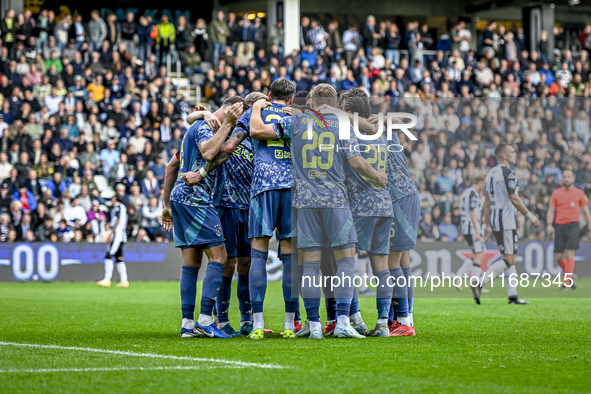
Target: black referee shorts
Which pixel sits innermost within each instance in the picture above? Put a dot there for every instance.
(566, 236)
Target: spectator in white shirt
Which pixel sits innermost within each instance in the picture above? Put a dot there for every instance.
(52, 102)
(75, 215)
(5, 166)
(138, 141)
(421, 156)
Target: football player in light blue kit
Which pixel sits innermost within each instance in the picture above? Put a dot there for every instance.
(320, 197)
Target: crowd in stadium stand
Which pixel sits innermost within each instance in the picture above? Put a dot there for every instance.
(87, 105)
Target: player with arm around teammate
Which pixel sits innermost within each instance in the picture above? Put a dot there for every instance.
(197, 226)
(320, 197)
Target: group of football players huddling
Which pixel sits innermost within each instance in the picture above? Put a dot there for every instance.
(281, 167)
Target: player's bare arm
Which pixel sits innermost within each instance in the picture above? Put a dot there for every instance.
(201, 112)
(170, 176)
(487, 228)
(226, 151)
(360, 165)
(210, 148)
(474, 217)
(587, 216)
(520, 206)
(258, 129)
(550, 219)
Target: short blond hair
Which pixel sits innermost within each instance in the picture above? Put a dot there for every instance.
(253, 97)
(324, 94)
(479, 178)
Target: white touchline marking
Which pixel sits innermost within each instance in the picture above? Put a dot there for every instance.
(150, 355)
(51, 370)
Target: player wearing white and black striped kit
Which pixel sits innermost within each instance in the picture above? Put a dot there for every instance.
(115, 251)
(471, 214)
(471, 227)
(500, 209)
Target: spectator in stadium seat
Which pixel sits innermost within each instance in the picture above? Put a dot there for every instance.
(91, 156)
(64, 233)
(5, 227)
(191, 61)
(219, 33)
(134, 220)
(166, 39)
(109, 157)
(33, 184)
(447, 228)
(26, 198)
(8, 26)
(427, 229)
(97, 218)
(5, 166)
(75, 214)
(201, 37)
(159, 168)
(151, 213)
(445, 181)
(64, 141)
(149, 185)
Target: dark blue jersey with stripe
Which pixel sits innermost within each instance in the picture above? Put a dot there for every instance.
(272, 158)
(400, 183)
(192, 160)
(237, 177)
(366, 197)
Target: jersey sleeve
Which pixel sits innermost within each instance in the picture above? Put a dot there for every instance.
(283, 127)
(584, 200)
(243, 124)
(473, 201)
(201, 135)
(349, 147)
(117, 213)
(510, 181)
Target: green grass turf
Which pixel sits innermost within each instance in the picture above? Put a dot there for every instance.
(459, 347)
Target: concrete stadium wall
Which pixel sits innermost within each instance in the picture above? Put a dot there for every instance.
(159, 262)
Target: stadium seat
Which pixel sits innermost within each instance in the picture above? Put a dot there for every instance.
(103, 186)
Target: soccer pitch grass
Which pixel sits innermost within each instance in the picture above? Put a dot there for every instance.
(460, 347)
